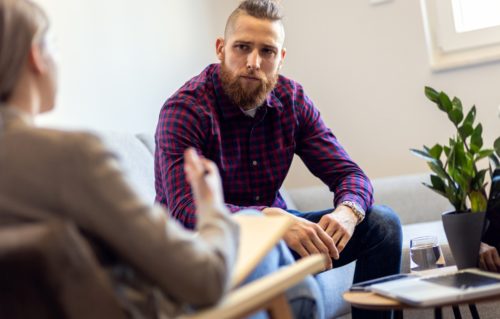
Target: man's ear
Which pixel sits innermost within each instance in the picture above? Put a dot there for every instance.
(36, 59)
(283, 55)
(219, 48)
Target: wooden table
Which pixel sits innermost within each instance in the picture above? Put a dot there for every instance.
(372, 301)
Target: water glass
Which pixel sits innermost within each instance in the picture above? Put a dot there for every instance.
(425, 253)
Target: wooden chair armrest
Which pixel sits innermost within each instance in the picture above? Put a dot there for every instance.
(48, 270)
(258, 294)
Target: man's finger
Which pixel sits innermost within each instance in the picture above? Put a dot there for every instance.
(337, 236)
(332, 228)
(321, 246)
(328, 241)
(310, 246)
(343, 242)
(316, 246)
(299, 249)
(324, 223)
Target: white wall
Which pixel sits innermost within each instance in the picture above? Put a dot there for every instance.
(364, 66)
(121, 59)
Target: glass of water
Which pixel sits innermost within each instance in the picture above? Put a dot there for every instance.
(425, 253)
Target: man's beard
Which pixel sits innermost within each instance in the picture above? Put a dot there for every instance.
(246, 99)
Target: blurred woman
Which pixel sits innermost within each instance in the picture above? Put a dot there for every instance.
(48, 174)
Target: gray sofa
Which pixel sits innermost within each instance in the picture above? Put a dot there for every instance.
(418, 208)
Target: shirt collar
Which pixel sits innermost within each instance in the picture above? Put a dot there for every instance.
(225, 104)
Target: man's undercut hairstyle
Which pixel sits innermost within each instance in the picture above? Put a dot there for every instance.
(260, 9)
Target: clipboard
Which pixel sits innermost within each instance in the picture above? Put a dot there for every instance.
(258, 234)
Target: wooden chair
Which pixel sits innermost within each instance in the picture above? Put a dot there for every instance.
(267, 293)
(50, 271)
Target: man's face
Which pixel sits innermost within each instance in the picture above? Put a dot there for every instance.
(251, 55)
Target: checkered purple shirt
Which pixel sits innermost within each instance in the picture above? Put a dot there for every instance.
(253, 154)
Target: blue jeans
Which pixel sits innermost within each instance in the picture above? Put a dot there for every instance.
(305, 298)
(376, 246)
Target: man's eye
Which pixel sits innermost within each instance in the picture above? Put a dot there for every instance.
(242, 47)
(268, 52)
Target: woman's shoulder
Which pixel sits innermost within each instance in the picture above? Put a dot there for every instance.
(45, 140)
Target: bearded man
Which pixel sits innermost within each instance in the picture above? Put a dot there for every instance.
(250, 121)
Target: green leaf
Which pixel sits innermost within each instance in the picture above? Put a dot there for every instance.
(471, 116)
(496, 145)
(461, 180)
(446, 150)
(435, 151)
(457, 104)
(478, 201)
(444, 102)
(468, 166)
(431, 94)
(455, 115)
(465, 130)
(453, 196)
(476, 140)
(422, 154)
(452, 142)
(460, 156)
(437, 167)
(434, 189)
(482, 154)
(478, 181)
(438, 183)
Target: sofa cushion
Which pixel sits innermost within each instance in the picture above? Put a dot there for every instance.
(412, 201)
(136, 161)
(148, 140)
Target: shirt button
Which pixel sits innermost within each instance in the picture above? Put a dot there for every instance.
(254, 163)
(257, 197)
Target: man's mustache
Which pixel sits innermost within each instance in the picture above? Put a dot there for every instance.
(253, 75)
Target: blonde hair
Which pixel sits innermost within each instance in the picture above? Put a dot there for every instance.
(21, 23)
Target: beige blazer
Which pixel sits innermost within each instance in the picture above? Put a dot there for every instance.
(48, 174)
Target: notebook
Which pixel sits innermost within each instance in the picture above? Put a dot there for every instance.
(432, 290)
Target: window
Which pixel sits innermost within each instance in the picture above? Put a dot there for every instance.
(461, 32)
(471, 15)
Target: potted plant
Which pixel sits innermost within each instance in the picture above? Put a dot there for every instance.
(458, 177)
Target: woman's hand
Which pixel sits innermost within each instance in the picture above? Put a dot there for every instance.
(488, 258)
(204, 178)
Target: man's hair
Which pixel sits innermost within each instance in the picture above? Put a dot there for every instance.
(260, 9)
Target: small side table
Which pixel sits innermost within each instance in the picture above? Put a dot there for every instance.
(372, 301)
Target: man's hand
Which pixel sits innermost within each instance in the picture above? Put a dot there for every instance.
(306, 238)
(204, 178)
(339, 225)
(488, 258)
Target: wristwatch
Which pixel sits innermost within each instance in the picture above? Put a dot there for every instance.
(357, 210)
